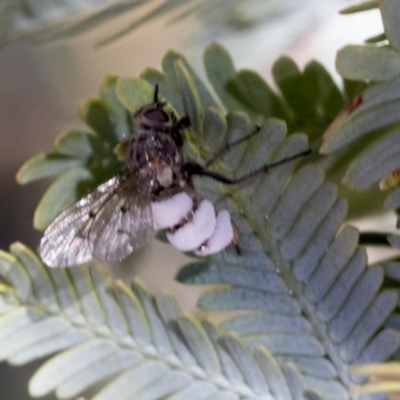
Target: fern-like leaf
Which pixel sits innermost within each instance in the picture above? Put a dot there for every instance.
(143, 347)
(49, 20)
(370, 124)
(384, 377)
(314, 302)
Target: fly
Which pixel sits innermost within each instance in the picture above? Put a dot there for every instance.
(154, 192)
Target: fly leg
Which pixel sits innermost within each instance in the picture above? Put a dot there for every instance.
(229, 146)
(196, 169)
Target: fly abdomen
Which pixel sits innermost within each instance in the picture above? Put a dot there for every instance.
(169, 212)
(223, 236)
(193, 225)
(193, 233)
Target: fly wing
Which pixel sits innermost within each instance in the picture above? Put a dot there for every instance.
(109, 223)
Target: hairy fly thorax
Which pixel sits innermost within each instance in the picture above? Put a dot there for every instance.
(155, 151)
(155, 156)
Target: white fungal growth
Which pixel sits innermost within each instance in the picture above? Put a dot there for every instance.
(194, 233)
(193, 229)
(169, 212)
(221, 238)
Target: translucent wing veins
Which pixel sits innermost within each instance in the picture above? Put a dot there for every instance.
(109, 223)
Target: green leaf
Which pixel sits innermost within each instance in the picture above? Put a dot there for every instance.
(238, 126)
(45, 166)
(95, 374)
(160, 335)
(113, 315)
(96, 115)
(368, 63)
(81, 145)
(248, 366)
(255, 93)
(378, 160)
(61, 368)
(134, 93)
(328, 98)
(363, 6)
(154, 13)
(89, 304)
(42, 286)
(378, 107)
(190, 97)
(169, 62)
(168, 91)
(14, 274)
(353, 88)
(390, 16)
(200, 345)
(91, 22)
(170, 311)
(17, 319)
(50, 20)
(304, 185)
(252, 324)
(154, 76)
(298, 95)
(321, 238)
(65, 191)
(109, 97)
(275, 378)
(381, 37)
(393, 200)
(214, 128)
(221, 72)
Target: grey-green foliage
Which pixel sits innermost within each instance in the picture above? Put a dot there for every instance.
(83, 158)
(370, 126)
(302, 279)
(392, 273)
(385, 376)
(123, 342)
(50, 20)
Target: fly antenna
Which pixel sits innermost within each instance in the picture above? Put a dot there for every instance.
(155, 93)
(159, 104)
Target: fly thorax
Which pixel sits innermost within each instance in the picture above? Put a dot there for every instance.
(155, 153)
(163, 172)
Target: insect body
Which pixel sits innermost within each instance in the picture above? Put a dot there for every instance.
(153, 193)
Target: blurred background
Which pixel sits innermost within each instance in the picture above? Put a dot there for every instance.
(42, 86)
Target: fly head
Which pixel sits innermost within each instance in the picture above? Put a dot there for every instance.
(154, 117)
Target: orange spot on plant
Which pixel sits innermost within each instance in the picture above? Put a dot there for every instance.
(355, 102)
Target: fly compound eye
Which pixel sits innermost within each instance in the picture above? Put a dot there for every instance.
(157, 115)
(153, 117)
